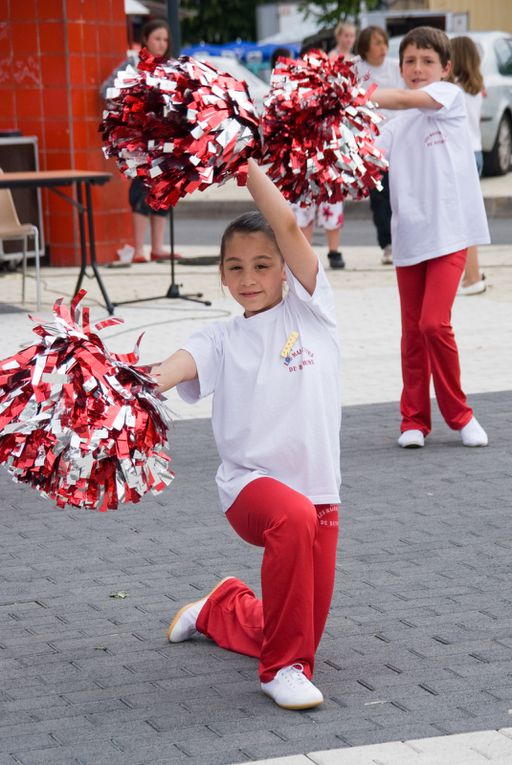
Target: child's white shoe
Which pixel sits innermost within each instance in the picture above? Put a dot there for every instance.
(411, 439)
(473, 434)
(291, 689)
(183, 626)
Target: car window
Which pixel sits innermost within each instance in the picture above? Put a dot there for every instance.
(503, 50)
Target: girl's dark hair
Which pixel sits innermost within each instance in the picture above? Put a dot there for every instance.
(466, 65)
(279, 53)
(150, 27)
(365, 39)
(427, 37)
(247, 223)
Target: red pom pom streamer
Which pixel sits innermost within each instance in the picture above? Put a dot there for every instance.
(318, 131)
(181, 125)
(78, 423)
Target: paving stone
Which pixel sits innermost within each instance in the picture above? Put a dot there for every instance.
(418, 642)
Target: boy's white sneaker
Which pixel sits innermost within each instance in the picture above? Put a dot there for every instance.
(411, 439)
(291, 689)
(183, 626)
(473, 434)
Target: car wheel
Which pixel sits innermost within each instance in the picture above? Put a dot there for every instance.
(497, 161)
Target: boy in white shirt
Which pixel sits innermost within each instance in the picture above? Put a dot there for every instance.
(437, 213)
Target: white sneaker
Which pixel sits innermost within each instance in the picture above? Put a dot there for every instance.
(411, 439)
(473, 434)
(291, 689)
(387, 256)
(183, 626)
(477, 288)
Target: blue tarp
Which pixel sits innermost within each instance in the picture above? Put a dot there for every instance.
(244, 51)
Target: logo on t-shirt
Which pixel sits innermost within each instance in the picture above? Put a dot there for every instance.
(299, 358)
(435, 137)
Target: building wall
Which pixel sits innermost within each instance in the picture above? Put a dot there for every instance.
(483, 14)
(54, 54)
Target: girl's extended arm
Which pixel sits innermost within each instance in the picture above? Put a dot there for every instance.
(176, 369)
(400, 98)
(294, 247)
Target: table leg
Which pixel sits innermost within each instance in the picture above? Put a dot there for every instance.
(81, 227)
(92, 249)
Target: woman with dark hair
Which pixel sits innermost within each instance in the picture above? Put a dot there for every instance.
(156, 38)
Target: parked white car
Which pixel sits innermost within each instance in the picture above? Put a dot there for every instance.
(495, 50)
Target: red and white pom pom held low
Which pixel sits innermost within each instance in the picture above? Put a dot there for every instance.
(80, 424)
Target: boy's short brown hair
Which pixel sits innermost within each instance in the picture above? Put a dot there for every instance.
(427, 37)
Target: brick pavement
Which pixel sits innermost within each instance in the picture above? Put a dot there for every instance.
(418, 644)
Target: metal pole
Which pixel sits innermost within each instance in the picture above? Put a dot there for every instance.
(173, 17)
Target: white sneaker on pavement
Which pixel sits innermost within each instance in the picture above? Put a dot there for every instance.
(291, 689)
(473, 434)
(411, 439)
(183, 626)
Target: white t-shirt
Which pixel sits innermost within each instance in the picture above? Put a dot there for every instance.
(385, 76)
(271, 418)
(436, 201)
(474, 110)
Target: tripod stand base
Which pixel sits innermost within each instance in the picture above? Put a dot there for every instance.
(173, 293)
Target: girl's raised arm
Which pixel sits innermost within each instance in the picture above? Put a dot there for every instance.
(294, 247)
(400, 98)
(176, 369)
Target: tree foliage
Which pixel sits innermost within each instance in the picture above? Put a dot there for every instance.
(218, 21)
(329, 12)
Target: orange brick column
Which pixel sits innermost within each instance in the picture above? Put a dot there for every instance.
(54, 55)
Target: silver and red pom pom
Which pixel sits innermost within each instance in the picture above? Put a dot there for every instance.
(181, 125)
(80, 424)
(319, 129)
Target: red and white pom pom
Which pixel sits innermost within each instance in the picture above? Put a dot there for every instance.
(318, 130)
(181, 125)
(81, 424)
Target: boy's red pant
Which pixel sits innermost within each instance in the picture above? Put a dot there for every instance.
(427, 291)
(297, 579)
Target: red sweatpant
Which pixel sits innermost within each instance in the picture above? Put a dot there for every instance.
(427, 291)
(297, 579)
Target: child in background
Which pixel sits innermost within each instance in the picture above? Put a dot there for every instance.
(374, 67)
(328, 216)
(467, 74)
(274, 373)
(345, 34)
(156, 37)
(438, 212)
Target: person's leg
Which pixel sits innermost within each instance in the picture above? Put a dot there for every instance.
(140, 224)
(283, 628)
(381, 212)
(442, 280)
(473, 282)
(308, 231)
(158, 225)
(324, 562)
(415, 399)
(330, 218)
(332, 236)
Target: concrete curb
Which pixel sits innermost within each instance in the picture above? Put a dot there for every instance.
(495, 207)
